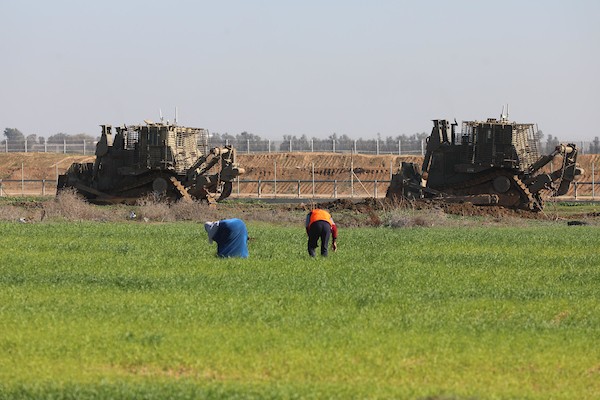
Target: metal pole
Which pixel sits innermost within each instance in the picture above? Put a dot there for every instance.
(290, 145)
(298, 188)
(377, 142)
(269, 145)
(355, 147)
(399, 147)
(45, 145)
(335, 188)
(259, 188)
(593, 182)
(375, 189)
(333, 141)
(43, 187)
(64, 146)
(352, 178)
(25, 145)
(22, 180)
(313, 180)
(247, 146)
(84, 147)
(422, 147)
(238, 185)
(312, 145)
(275, 181)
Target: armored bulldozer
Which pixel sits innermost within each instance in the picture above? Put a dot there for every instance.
(170, 161)
(492, 162)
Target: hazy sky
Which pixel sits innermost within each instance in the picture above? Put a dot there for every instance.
(299, 67)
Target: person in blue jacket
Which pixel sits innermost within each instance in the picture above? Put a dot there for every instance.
(231, 236)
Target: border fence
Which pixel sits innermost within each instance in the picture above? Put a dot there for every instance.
(275, 189)
(360, 146)
(87, 147)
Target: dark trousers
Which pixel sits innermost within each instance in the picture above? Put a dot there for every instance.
(318, 230)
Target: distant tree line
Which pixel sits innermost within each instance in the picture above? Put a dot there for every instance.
(552, 141)
(302, 143)
(16, 137)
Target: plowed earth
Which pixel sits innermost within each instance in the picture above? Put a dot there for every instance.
(294, 167)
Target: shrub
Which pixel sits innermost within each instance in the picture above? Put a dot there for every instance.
(402, 218)
(71, 206)
(153, 209)
(193, 211)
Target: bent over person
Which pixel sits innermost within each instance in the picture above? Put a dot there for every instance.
(320, 225)
(231, 236)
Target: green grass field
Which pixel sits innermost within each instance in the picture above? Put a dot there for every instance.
(134, 310)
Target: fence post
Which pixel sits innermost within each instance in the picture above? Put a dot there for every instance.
(423, 147)
(593, 182)
(352, 178)
(355, 147)
(64, 146)
(25, 145)
(43, 187)
(312, 145)
(84, 147)
(22, 180)
(45, 145)
(575, 186)
(399, 147)
(238, 185)
(275, 180)
(290, 145)
(375, 189)
(298, 188)
(333, 144)
(313, 180)
(259, 188)
(269, 144)
(377, 143)
(247, 146)
(335, 188)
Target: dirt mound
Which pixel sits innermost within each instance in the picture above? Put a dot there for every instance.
(37, 165)
(462, 209)
(364, 205)
(294, 172)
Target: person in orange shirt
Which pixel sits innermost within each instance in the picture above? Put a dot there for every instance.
(320, 225)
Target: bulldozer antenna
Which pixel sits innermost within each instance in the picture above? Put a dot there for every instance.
(504, 116)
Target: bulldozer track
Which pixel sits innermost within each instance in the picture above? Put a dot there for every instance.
(527, 200)
(181, 189)
(534, 202)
